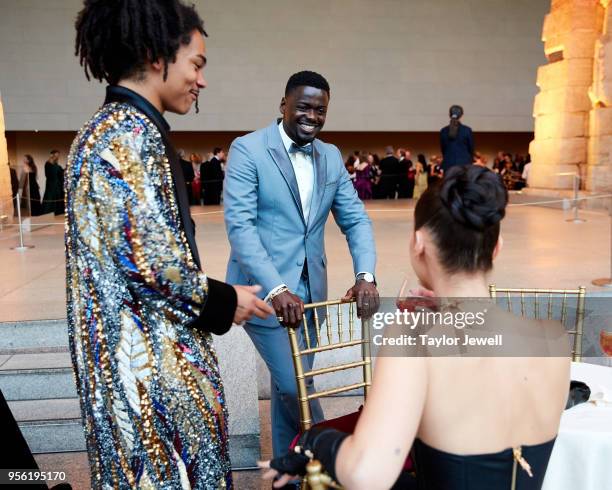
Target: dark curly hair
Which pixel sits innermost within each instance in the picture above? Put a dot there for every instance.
(463, 214)
(306, 79)
(116, 38)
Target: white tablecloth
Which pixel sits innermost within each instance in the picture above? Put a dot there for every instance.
(582, 456)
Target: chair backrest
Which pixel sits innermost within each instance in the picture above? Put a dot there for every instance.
(555, 303)
(336, 326)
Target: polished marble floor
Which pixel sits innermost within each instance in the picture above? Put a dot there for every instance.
(541, 249)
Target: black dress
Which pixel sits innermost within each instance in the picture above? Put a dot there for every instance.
(14, 188)
(31, 194)
(439, 470)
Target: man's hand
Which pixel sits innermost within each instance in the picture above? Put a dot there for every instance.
(289, 309)
(367, 298)
(249, 304)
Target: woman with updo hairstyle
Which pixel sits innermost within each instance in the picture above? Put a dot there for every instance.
(473, 421)
(456, 140)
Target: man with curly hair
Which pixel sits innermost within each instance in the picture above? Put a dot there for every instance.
(140, 309)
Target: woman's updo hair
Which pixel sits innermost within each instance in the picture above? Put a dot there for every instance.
(463, 214)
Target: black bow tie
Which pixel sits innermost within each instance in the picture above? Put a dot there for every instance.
(306, 149)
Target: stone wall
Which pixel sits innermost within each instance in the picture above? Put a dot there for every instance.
(599, 160)
(393, 65)
(573, 122)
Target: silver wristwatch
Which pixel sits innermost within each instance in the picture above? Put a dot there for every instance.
(366, 276)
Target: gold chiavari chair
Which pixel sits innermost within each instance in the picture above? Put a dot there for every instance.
(336, 326)
(548, 298)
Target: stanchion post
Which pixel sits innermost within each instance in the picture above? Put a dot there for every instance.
(576, 219)
(21, 247)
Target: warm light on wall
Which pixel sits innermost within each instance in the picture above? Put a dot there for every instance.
(5, 176)
(572, 124)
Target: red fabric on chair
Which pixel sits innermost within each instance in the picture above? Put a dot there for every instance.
(347, 424)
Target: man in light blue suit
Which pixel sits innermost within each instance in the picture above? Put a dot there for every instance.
(280, 185)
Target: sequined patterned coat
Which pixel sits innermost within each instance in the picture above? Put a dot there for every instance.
(140, 309)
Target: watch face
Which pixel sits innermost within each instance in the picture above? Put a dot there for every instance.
(367, 277)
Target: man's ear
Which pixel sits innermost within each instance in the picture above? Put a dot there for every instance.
(283, 104)
(157, 65)
(498, 246)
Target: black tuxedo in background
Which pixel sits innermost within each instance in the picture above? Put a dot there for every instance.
(189, 176)
(403, 184)
(388, 179)
(211, 176)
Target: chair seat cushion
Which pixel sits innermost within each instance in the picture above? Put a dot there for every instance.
(347, 424)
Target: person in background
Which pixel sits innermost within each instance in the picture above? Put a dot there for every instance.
(53, 200)
(388, 178)
(211, 176)
(508, 162)
(403, 184)
(456, 141)
(188, 174)
(375, 174)
(434, 170)
(420, 178)
(30, 191)
(349, 165)
(363, 183)
(480, 160)
(14, 187)
(411, 174)
(526, 169)
(519, 163)
(509, 175)
(498, 162)
(196, 187)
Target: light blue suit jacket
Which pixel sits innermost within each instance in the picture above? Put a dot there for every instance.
(269, 237)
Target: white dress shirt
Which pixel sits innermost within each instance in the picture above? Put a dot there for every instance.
(303, 167)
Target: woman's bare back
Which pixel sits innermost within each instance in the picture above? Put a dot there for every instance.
(477, 405)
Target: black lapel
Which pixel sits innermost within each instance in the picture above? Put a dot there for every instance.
(180, 191)
(125, 95)
(320, 168)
